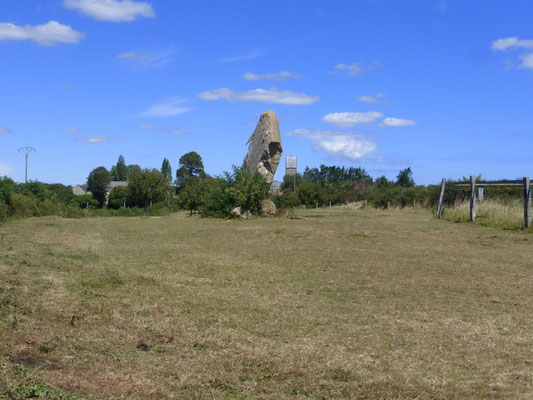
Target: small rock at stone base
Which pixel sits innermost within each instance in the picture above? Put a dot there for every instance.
(241, 212)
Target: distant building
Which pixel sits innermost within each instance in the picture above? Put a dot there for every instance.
(79, 190)
(275, 187)
(114, 184)
(291, 166)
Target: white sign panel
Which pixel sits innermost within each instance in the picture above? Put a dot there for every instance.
(291, 162)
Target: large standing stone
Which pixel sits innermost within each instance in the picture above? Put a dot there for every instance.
(265, 149)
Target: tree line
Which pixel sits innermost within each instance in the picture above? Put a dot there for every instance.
(190, 188)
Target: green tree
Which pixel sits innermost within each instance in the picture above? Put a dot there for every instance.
(311, 193)
(382, 182)
(405, 178)
(290, 182)
(133, 168)
(119, 172)
(6, 197)
(84, 201)
(120, 196)
(148, 186)
(190, 165)
(190, 198)
(6, 190)
(247, 189)
(166, 169)
(97, 184)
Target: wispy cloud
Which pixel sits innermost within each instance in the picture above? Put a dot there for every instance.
(147, 59)
(47, 34)
(5, 129)
(72, 130)
(112, 10)
(395, 122)
(5, 169)
(273, 76)
(285, 97)
(512, 42)
(527, 61)
(69, 85)
(350, 119)
(352, 146)
(355, 69)
(127, 55)
(99, 139)
(170, 131)
(378, 98)
(167, 108)
(251, 55)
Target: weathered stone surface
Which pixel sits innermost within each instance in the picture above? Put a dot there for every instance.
(264, 152)
(268, 207)
(241, 212)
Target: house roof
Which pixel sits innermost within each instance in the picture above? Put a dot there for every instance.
(114, 184)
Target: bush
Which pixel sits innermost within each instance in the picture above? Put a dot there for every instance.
(215, 201)
(247, 190)
(120, 196)
(84, 201)
(310, 193)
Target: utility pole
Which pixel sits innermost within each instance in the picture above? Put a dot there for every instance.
(26, 150)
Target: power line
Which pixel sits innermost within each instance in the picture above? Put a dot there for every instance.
(26, 150)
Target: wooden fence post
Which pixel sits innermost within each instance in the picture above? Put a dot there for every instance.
(472, 198)
(527, 202)
(441, 197)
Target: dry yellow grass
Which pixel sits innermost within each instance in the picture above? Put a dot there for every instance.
(504, 214)
(340, 303)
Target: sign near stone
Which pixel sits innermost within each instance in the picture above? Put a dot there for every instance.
(264, 152)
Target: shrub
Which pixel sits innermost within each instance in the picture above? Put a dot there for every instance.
(310, 193)
(84, 201)
(120, 196)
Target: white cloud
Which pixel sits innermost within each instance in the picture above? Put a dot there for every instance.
(527, 61)
(112, 10)
(349, 119)
(378, 98)
(285, 97)
(5, 169)
(45, 35)
(245, 57)
(274, 76)
(394, 122)
(506, 43)
(167, 108)
(170, 131)
(355, 69)
(5, 129)
(343, 145)
(72, 130)
(69, 85)
(149, 59)
(98, 139)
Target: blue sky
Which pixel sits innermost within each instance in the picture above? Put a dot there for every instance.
(441, 86)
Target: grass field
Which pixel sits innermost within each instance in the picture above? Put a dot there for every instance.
(338, 303)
